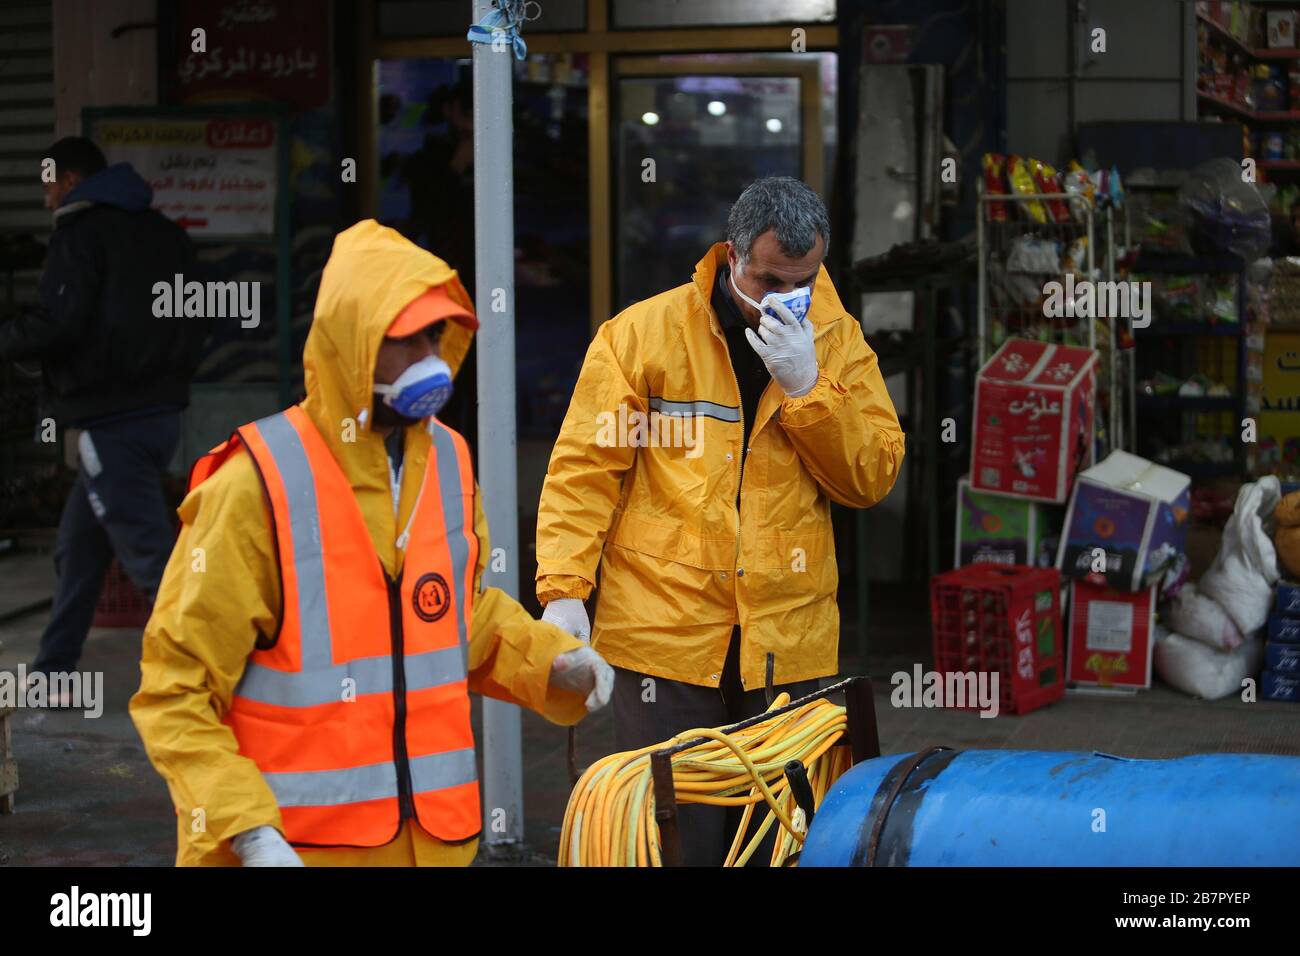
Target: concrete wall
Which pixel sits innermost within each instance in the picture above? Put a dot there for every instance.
(91, 68)
(1141, 76)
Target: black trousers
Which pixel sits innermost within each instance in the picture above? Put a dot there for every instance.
(646, 714)
(116, 507)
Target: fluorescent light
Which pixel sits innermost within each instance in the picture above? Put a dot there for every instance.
(717, 107)
(774, 125)
(650, 118)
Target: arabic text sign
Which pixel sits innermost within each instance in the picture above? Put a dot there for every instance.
(216, 177)
(256, 49)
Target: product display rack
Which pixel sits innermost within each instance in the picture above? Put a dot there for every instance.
(1151, 406)
(997, 321)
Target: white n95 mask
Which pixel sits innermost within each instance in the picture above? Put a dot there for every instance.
(796, 300)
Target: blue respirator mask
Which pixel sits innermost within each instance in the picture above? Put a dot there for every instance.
(421, 391)
(796, 300)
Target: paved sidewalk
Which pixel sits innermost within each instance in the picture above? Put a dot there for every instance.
(88, 795)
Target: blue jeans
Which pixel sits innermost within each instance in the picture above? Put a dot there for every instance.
(117, 508)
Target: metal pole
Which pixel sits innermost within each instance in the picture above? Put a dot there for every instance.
(494, 243)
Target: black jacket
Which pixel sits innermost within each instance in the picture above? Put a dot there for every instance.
(103, 352)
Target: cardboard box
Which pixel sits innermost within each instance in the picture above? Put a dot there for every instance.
(1274, 685)
(1283, 629)
(1134, 511)
(1034, 406)
(1283, 659)
(1281, 29)
(995, 529)
(1112, 636)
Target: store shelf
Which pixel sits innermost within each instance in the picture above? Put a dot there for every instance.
(1219, 329)
(1277, 116)
(1259, 53)
(1225, 106)
(1151, 262)
(1279, 164)
(1219, 30)
(1187, 403)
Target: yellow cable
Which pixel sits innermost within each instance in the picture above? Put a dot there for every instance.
(610, 818)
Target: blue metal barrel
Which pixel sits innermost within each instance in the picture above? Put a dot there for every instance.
(1029, 808)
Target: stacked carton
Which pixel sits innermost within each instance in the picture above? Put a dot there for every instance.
(1126, 523)
(1033, 430)
(1281, 677)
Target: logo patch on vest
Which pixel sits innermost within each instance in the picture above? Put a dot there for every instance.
(431, 597)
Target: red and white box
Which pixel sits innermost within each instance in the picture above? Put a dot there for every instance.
(1112, 637)
(1034, 406)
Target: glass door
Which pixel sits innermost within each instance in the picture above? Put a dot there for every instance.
(689, 133)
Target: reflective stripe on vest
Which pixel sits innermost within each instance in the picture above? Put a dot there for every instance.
(373, 782)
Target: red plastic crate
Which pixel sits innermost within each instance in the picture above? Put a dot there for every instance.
(1003, 618)
(120, 602)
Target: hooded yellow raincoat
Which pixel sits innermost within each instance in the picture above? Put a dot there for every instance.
(221, 588)
(680, 564)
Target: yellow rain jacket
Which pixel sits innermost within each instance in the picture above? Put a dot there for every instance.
(221, 588)
(680, 565)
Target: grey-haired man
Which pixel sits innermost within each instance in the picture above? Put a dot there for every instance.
(716, 556)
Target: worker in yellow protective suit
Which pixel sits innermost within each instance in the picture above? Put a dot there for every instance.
(221, 716)
(711, 427)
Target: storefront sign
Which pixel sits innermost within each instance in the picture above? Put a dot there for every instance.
(253, 50)
(214, 176)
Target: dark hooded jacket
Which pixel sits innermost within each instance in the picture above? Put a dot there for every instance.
(103, 353)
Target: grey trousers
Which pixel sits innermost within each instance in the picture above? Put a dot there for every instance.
(706, 832)
(116, 508)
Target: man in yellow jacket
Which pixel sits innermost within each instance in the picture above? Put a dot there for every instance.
(304, 689)
(711, 427)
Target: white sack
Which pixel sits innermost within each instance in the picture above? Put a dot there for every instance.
(1244, 571)
(1200, 617)
(1204, 672)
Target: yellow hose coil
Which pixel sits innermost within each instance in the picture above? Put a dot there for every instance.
(610, 819)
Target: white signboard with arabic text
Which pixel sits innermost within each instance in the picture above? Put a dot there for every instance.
(215, 176)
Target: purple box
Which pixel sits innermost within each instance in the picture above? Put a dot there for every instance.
(1283, 630)
(1288, 598)
(1134, 511)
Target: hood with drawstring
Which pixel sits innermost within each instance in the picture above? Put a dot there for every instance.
(372, 274)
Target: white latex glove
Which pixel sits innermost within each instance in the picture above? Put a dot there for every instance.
(263, 846)
(786, 348)
(570, 616)
(584, 671)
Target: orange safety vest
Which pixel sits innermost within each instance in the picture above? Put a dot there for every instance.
(357, 711)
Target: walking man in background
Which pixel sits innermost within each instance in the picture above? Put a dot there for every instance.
(717, 559)
(114, 375)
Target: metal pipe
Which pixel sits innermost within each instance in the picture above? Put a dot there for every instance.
(494, 231)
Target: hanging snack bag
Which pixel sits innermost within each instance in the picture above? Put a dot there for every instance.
(1022, 184)
(1081, 190)
(995, 165)
(1047, 181)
